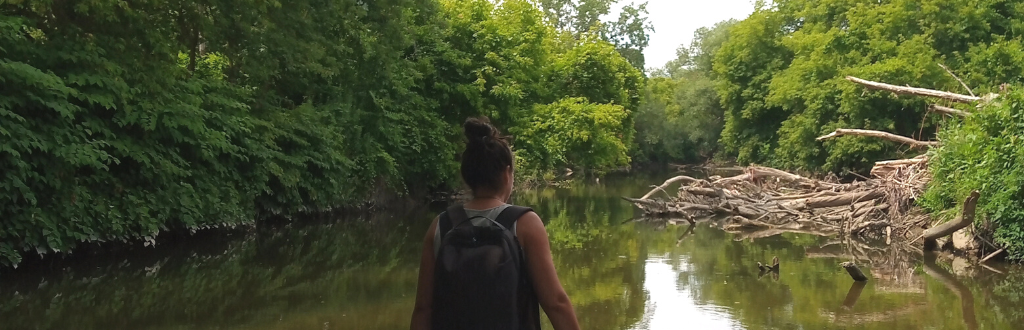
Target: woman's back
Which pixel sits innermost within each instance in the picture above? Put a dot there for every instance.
(480, 277)
(491, 271)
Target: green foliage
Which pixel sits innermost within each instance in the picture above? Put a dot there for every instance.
(124, 120)
(579, 18)
(595, 71)
(572, 133)
(680, 118)
(984, 152)
(781, 74)
(658, 137)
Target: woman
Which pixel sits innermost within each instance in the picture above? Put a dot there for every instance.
(487, 168)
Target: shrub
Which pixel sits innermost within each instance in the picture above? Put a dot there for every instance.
(986, 152)
(572, 133)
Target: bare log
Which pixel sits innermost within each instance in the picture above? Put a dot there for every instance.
(879, 134)
(667, 183)
(759, 172)
(948, 110)
(830, 201)
(868, 210)
(965, 219)
(807, 195)
(898, 162)
(883, 168)
(854, 272)
(915, 91)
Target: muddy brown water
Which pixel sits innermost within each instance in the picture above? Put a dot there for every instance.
(360, 273)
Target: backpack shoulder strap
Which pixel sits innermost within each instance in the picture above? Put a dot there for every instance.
(511, 214)
(455, 214)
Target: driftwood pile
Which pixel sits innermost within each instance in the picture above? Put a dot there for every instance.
(764, 201)
(772, 201)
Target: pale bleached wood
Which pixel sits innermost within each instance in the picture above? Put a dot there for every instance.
(915, 91)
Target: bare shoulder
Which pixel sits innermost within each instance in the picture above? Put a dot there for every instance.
(530, 229)
(530, 220)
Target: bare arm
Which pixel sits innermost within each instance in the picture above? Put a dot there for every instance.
(425, 286)
(552, 296)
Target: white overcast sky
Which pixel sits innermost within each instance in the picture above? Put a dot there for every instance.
(675, 21)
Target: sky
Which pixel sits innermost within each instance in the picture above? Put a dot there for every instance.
(675, 21)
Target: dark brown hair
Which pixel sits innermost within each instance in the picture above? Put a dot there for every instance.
(486, 157)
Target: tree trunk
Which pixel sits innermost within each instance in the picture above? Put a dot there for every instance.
(965, 219)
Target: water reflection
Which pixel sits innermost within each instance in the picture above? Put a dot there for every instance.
(360, 274)
(954, 285)
(671, 306)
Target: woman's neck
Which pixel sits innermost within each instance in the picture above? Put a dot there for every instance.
(484, 202)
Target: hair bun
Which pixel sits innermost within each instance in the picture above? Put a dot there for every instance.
(478, 129)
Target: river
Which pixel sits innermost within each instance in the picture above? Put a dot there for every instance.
(360, 273)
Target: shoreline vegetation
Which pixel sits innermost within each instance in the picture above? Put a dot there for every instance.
(763, 202)
(124, 121)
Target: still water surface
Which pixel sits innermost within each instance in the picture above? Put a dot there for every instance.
(361, 274)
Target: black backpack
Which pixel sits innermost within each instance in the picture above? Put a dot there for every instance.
(480, 278)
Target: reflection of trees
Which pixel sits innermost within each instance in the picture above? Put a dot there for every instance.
(361, 274)
(276, 275)
(600, 261)
(724, 273)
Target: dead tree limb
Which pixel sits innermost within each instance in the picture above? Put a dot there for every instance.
(830, 201)
(878, 134)
(897, 162)
(957, 79)
(948, 110)
(965, 219)
(667, 183)
(915, 91)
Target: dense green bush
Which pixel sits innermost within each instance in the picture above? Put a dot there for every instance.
(572, 133)
(984, 151)
(680, 118)
(782, 73)
(121, 120)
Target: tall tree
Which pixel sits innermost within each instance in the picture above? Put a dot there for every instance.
(629, 32)
(681, 117)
